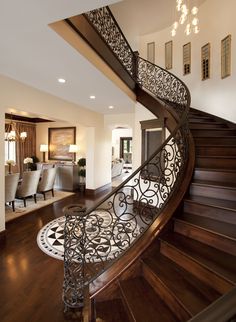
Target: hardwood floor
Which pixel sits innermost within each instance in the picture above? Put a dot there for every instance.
(31, 281)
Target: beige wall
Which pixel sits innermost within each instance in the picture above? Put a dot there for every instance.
(214, 95)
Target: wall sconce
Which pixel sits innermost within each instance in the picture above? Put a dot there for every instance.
(73, 148)
(44, 149)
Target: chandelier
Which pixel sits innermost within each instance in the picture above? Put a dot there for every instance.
(12, 134)
(186, 16)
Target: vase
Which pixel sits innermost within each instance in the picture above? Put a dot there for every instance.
(9, 168)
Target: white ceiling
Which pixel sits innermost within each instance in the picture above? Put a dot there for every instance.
(34, 54)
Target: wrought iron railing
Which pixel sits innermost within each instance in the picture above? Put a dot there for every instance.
(97, 237)
(105, 23)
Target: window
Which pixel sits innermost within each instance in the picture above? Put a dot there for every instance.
(151, 52)
(10, 150)
(168, 54)
(226, 56)
(187, 58)
(206, 62)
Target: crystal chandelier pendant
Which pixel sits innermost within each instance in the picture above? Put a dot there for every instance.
(186, 14)
(194, 11)
(173, 32)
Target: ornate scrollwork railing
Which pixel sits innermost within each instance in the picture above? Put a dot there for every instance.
(163, 85)
(97, 237)
(104, 22)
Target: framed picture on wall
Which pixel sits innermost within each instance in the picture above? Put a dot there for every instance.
(168, 54)
(151, 52)
(59, 140)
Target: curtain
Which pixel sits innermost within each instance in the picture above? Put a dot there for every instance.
(26, 148)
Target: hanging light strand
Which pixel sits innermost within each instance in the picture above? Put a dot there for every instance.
(185, 16)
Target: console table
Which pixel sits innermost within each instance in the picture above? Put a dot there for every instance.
(67, 177)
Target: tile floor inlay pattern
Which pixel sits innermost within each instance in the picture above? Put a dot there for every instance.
(50, 238)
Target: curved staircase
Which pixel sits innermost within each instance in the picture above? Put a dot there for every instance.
(193, 262)
(180, 264)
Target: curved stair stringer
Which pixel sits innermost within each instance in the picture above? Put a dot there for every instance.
(132, 255)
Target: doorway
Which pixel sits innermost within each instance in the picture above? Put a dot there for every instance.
(126, 149)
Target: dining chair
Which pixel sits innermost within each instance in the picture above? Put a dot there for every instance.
(28, 186)
(11, 183)
(47, 181)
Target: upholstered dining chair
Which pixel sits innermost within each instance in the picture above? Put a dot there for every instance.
(28, 186)
(11, 183)
(47, 181)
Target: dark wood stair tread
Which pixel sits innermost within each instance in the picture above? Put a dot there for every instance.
(219, 227)
(219, 157)
(143, 303)
(215, 170)
(193, 294)
(218, 203)
(218, 184)
(215, 132)
(215, 260)
(111, 311)
(220, 140)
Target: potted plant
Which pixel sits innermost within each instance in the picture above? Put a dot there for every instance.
(82, 173)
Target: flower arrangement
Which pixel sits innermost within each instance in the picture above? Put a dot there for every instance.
(10, 162)
(28, 160)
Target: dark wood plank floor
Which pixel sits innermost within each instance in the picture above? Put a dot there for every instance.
(31, 281)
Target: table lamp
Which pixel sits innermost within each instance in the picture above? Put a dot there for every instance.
(73, 148)
(44, 149)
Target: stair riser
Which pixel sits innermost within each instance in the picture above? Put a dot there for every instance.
(205, 126)
(215, 141)
(216, 151)
(166, 295)
(220, 214)
(207, 237)
(213, 133)
(218, 176)
(203, 273)
(214, 163)
(212, 192)
(126, 307)
(198, 119)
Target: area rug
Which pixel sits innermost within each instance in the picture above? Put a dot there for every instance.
(20, 210)
(101, 245)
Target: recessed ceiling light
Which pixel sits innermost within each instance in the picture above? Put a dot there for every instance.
(92, 97)
(111, 107)
(61, 80)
